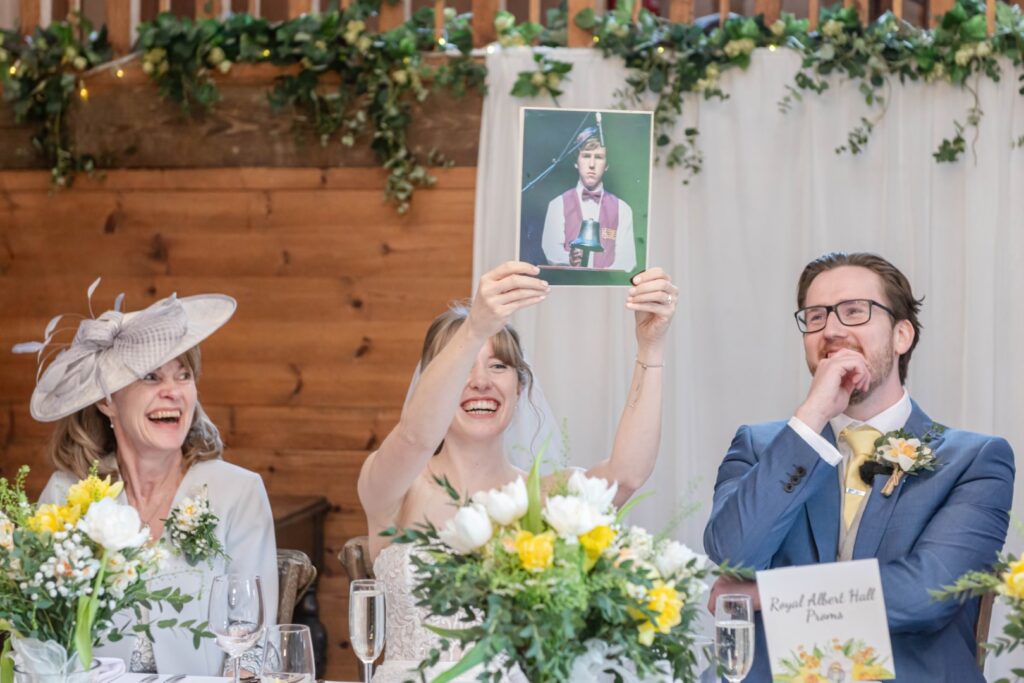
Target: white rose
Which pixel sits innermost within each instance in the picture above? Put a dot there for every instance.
(983, 49)
(505, 505)
(595, 491)
(113, 526)
(572, 517)
(674, 558)
(469, 529)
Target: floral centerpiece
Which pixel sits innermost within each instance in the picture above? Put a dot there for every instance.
(1005, 581)
(66, 570)
(563, 590)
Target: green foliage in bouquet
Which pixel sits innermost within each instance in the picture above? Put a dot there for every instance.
(563, 590)
(66, 570)
(40, 78)
(1005, 581)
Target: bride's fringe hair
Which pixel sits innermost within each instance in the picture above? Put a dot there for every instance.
(507, 347)
(86, 437)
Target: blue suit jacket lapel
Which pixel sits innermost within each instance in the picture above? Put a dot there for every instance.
(880, 508)
(823, 511)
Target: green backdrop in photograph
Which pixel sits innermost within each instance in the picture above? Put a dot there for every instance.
(546, 134)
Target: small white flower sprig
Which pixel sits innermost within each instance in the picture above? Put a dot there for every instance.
(191, 526)
(904, 453)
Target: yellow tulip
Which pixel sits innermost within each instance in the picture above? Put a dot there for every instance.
(91, 490)
(50, 517)
(1013, 580)
(666, 602)
(536, 552)
(595, 542)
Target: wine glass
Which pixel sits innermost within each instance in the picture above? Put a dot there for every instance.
(287, 655)
(734, 636)
(366, 620)
(236, 615)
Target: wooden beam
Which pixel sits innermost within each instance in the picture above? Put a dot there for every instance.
(937, 8)
(438, 20)
(391, 15)
(863, 10)
(484, 12)
(724, 7)
(208, 9)
(579, 37)
(165, 6)
(119, 26)
(297, 8)
(897, 8)
(29, 16)
(990, 16)
(533, 12)
(812, 14)
(680, 11)
(769, 8)
(637, 5)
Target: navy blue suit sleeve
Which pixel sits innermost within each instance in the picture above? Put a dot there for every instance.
(964, 534)
(754, 508)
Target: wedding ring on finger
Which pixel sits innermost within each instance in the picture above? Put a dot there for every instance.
(669, 302)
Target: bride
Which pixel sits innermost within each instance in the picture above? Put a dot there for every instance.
(473, 377)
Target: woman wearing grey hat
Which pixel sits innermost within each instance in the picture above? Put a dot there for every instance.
(124, 399)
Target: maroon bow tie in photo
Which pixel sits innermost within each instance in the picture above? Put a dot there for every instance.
(592, 196)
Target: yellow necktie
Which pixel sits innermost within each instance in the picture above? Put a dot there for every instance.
(862, 443)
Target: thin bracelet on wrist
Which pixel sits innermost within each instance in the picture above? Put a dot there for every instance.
(640, 382)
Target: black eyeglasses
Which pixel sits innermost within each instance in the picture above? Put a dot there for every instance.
(850, 313)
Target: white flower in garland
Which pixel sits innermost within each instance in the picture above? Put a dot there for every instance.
(191, 527)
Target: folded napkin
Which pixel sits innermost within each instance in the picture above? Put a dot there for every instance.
(109, 669)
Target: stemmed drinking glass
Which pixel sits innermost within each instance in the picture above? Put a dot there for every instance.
(236, 615)
(366, 621)
(734, 636)
(287, 655)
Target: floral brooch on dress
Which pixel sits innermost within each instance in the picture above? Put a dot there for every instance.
(191, 527)
(899, 453)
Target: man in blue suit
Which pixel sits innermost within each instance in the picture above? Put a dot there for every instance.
(791, 493)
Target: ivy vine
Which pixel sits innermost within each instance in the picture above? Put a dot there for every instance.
(40, 75)
(347, 85)
(669, 60)
(351, 84)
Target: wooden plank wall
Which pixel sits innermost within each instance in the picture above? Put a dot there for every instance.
(335, 291)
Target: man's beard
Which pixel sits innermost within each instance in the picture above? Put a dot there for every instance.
(880, 365)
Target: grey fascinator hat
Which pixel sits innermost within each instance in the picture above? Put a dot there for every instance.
(114, 349)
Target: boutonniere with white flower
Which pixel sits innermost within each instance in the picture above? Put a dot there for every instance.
(899, 453)
(191, 526)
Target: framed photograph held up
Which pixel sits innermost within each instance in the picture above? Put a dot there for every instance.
(584, 194)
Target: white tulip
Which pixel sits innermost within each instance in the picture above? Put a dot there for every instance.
(595, 491)
(673, 557)
(505, 505)
(113, 526)
(572, 517)
(469, 529)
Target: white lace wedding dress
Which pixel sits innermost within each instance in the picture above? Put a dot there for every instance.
(407, 642)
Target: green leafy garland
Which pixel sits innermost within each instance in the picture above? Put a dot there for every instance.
(352, 84)
(40, 76)
(670, 60)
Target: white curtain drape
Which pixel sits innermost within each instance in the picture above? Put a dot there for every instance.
(773, 195)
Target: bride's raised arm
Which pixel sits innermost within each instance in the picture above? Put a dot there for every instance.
(653, 297)
(389, 473)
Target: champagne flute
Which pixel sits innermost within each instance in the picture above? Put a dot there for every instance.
(366, 620)
(236, 615)
(734, 636)
(287, 655)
